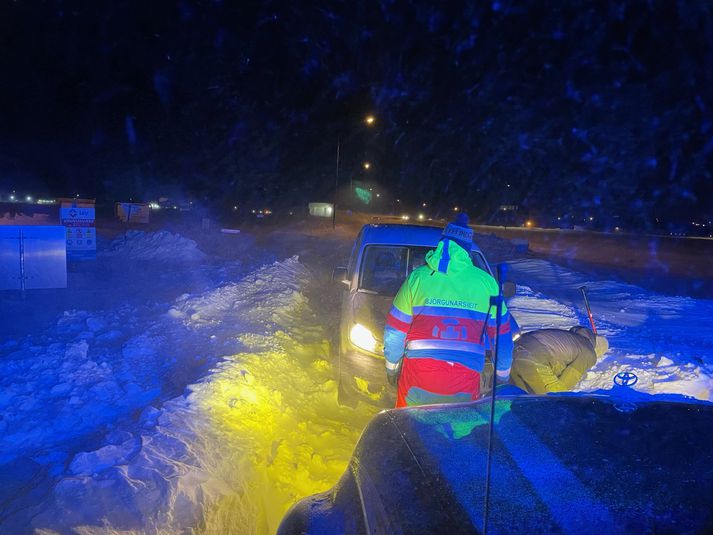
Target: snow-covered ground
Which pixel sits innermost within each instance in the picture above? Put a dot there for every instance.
(667, 341)
(191, 385)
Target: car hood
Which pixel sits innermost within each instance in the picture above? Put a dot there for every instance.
(371, 310)
(560, 463)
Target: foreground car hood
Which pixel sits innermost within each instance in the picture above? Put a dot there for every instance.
(371, 310)
(563, 464)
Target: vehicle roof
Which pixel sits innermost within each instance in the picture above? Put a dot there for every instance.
(396, 234)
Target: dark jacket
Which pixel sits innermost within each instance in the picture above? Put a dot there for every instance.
(552, 360)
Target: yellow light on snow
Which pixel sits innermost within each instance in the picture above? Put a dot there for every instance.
(272, 431)
(361, 337)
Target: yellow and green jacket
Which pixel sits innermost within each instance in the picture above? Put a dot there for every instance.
(442, 311)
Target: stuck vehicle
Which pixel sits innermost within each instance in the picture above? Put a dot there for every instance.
(603, 462)
(381, 259)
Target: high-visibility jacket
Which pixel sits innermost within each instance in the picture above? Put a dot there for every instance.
(442, 311)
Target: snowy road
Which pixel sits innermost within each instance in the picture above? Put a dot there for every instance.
(212, 402)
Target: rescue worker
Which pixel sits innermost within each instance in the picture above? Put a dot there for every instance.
(434, 339)
(555, 360)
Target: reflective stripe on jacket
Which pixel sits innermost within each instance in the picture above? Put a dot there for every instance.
(441, 312)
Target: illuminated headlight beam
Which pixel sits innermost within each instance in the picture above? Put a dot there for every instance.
(362, 337)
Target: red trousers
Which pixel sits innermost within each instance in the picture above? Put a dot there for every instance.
(423, 381)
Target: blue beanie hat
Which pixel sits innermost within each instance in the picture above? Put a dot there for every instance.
(459, 232)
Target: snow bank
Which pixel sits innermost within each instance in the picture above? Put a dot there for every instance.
(257, 433)
(160, 246)
(498, 249)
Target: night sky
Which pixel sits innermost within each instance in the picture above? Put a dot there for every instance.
(592, 108)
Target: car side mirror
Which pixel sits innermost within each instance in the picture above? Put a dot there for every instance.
(509, 289)
(339, 274)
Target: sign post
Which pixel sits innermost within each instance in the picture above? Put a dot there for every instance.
(133, 212)
(78, 217)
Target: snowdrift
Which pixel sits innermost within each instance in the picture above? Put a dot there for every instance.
(153, 246)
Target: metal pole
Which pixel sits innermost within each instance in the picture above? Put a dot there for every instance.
(336, 186)
(22, 262)
(496, 301)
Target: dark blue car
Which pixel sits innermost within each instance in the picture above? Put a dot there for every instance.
(604, 463)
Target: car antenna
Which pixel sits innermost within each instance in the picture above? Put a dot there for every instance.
(497, 302)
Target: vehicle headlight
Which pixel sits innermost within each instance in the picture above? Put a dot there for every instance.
(361, 337)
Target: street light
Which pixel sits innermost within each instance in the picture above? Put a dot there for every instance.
(369, 120)
(367, 165)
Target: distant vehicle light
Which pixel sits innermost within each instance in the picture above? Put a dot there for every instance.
(528, 223)
(361, 337)
(12, 197)
(405, 217)
(421, 217)
(154, 206)
(28, 198)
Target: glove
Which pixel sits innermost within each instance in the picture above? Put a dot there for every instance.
(393, 376)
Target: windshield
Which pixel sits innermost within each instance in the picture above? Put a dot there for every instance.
(385, 267)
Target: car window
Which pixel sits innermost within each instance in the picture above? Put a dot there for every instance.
(385, 267)
(479, 261)
(353, 257)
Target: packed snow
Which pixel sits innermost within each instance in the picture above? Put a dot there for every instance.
(210, 403)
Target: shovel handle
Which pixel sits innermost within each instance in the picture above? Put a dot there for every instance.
(583, 289)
